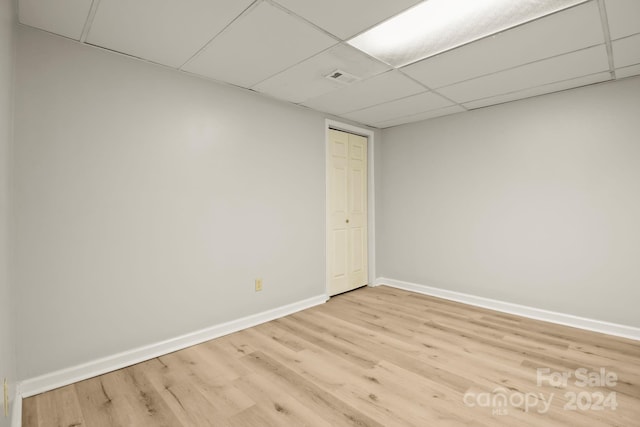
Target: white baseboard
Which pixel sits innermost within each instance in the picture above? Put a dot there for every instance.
(517, 309)
(16, 409)
(91, 369)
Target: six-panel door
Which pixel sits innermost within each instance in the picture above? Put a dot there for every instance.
(347, 210)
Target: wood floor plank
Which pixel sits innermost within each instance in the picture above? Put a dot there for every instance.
(183, 392)
(277, 404)
(351, 383)
(373, 357)
(30, 412)
(60, 410)
(336, 411)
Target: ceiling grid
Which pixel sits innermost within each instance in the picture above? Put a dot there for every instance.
(284, 49)
(607, 36)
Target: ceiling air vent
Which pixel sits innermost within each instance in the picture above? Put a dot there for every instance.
(342, 77)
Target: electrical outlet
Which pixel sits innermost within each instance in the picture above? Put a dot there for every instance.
(258, 285)
(5, 389)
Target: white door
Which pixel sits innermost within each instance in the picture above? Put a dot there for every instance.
(347, 211)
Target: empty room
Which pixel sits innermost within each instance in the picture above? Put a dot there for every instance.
(245, 213)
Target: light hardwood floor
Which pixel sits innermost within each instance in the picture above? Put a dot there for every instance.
(372, 357)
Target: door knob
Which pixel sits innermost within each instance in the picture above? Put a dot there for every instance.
(347, 221)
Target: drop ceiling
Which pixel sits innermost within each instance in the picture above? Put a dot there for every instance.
(285, 48)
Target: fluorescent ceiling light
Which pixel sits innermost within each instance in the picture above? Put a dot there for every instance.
(435, 26)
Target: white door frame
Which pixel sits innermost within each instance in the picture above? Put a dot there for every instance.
(371, 199)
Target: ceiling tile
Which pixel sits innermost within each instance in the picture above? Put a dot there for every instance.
(540, 90)
(559, 68)
(168, 32)
(400, 108)
(307, 79)
(382, 88)
(346, 18)
(64, 17)
(634, 70)
(623, 16)
(626, 51)
(537, 40)
(419, 117)
(258, 45)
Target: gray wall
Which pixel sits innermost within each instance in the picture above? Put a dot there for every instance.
(147, 202)
(7, 342)
(534, 202)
